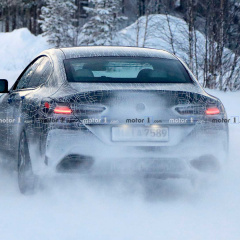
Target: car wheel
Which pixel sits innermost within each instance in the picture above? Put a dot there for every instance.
(26, 178)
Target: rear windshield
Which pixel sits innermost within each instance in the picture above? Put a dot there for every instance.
(126, 70)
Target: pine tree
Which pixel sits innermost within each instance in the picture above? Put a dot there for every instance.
(58, 22)
(103, 24)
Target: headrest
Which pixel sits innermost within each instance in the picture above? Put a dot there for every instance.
(149, 73)
(144, 73)
(81, 73)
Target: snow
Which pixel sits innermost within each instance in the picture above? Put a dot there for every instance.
(170, 33)
(16, 54)
(158, 34)
(72, 208)
(18, 49)
(57, 22)
(103, 23)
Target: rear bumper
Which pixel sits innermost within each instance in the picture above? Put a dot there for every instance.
(121, 158)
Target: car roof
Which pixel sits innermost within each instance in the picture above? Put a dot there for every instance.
(102, 51)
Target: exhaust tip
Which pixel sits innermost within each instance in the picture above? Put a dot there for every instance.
(75, 163)
(206, 163)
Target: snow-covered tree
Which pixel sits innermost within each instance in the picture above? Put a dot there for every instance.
(58, 22)
(103, 23)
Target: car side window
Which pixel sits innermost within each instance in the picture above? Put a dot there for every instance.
(41, 74)
(24, 80)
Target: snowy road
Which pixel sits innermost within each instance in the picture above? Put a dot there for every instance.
(73, 210)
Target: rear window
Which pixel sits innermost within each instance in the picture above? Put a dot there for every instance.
(126, 70)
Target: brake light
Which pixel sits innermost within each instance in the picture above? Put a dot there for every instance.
(212, 111)
(62, 110)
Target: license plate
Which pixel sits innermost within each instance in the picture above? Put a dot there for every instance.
(140, 134)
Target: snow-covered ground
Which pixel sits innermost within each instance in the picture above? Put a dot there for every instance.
(106, 209)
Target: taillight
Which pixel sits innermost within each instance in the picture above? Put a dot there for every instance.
(62, 110)
(212, 111)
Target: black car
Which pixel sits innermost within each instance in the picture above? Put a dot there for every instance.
(110, 110)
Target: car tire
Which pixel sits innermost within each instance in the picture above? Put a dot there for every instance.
(26, 178)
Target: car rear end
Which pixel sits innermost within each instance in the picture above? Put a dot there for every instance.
(129, 116)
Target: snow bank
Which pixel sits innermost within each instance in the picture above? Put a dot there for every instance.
(156, 31)
(18, 48)
(171, 33)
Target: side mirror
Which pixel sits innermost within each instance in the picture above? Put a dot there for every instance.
(3, 86)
